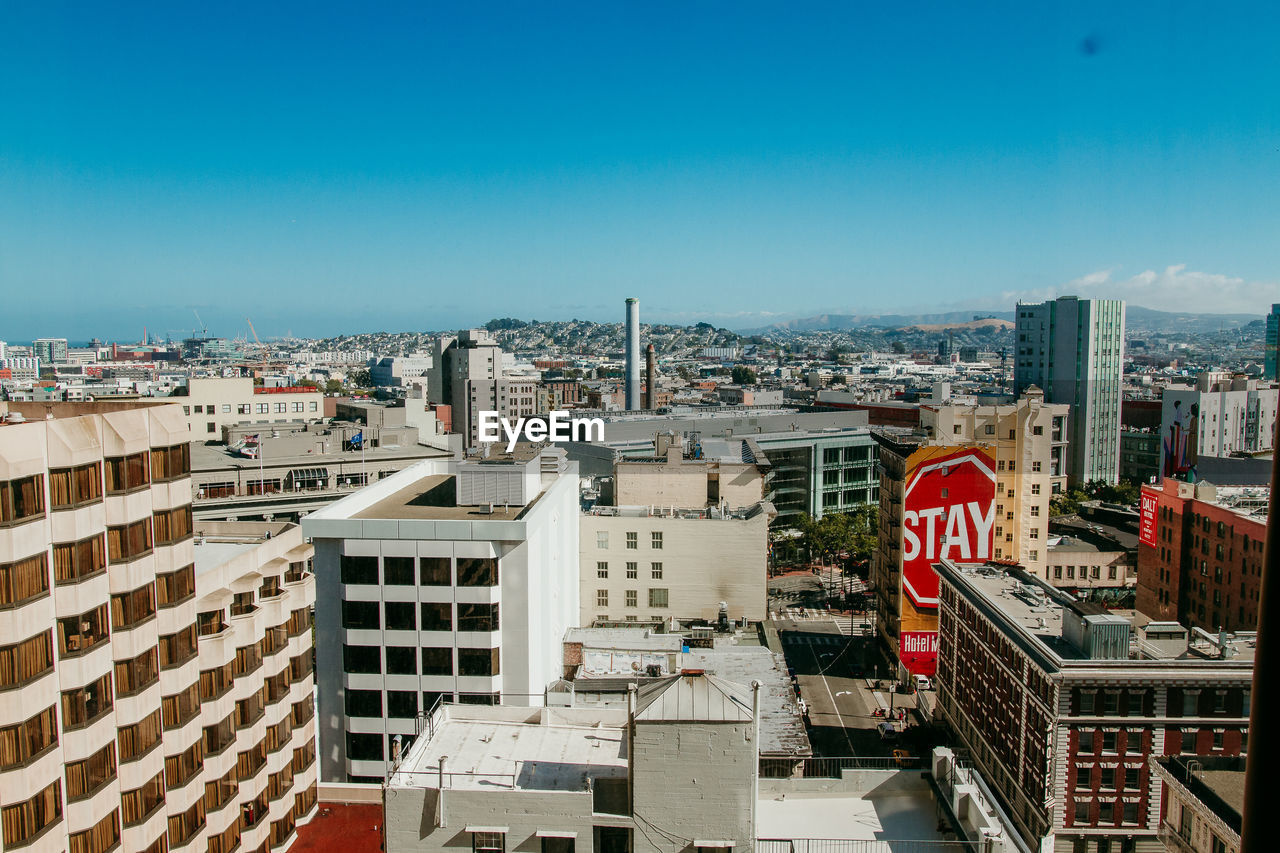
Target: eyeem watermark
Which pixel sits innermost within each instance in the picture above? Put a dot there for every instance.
(557, 427)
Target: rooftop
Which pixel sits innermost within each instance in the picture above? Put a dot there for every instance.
(435, 497)
(1039, 610)
(507, 747)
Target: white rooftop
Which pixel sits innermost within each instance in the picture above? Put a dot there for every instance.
(534, 749)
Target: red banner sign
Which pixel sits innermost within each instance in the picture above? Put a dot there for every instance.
(918, 652)
(1148, 504)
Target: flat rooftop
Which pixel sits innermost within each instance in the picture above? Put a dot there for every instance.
(623, 638)
(1247, 502)
(434, 497)
(525, 749)
(212, 457)
(782, 730)
(1041, 617)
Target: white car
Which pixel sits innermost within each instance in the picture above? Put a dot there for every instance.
(923, 682)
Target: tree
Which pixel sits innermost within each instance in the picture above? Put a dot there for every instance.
(743, 375)
(360, 377)
(333, 386)
(853, 533)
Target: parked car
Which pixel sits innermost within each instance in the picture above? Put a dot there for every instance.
(923, 682)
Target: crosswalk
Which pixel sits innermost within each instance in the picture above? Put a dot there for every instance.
(789, 638)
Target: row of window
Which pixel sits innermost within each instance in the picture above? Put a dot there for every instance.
(403, 660)
(632, 539)
(252, 408)
(657, 598)
(632, 570)
(435, 616)
(415, 571)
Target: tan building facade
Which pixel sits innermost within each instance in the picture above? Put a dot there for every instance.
(672, 481)
(211, 404)
(637, 566)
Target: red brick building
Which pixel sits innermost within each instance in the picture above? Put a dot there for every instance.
(1205, 569)
(1060, 704)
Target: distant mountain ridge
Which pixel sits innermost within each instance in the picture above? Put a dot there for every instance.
(1136, 318)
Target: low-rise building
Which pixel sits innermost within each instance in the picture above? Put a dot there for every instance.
(211, 404)
(1203, 803)
(642, 564)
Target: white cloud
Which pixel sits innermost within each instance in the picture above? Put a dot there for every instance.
(1174, 289)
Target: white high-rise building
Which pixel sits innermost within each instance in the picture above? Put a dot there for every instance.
(1073, 348)
(449, 581)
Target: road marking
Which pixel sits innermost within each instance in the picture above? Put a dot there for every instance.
(834, 707)
(844, 693)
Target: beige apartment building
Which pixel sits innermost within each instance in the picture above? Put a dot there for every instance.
(211, 404)
(1029, 440)
(638, 565)
(155, 682)
(669, 480)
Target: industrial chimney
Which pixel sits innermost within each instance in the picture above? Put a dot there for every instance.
(650, 376)
(633, 354)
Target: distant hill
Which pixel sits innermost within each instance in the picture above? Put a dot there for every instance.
(843, 322)
(1148, 319)
(1136, 318)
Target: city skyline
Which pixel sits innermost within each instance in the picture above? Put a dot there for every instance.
(324, 170)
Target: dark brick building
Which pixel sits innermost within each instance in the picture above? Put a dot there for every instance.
(1205, 569)
(1060, 704)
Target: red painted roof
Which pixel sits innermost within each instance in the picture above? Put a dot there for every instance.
(341, 828)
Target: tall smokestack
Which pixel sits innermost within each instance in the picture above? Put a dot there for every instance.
(650, 376)
(633, 354)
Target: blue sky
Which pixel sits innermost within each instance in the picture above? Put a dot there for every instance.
(323, 168)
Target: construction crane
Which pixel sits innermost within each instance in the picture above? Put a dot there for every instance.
(265, 351)
(204, 330)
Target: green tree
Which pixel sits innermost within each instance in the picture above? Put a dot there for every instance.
(360, 377)
(333, 386)
(743, 375)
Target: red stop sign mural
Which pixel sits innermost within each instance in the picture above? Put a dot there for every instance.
(948, 510)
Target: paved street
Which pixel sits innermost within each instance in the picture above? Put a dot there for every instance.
(831, 672)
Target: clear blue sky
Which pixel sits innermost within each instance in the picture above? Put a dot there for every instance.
(357, 167)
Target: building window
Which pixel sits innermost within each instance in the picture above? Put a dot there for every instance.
(280, 408)
(437, 616)
(655, 570)
(488, 842)
(1086, 745)
(21, 499)
(435, 571)
(477, 571)
(401, 660)
(477, 617)
(400, 616)
(602, 539)
(633, 541)
(1035, 488)
(1109, 741)
(1219, 738)
(631, 598)
(437, 661)
(396, 571)
(262, 408)
(655, 540)
(72, 487)
(242, 409)
(658, 598)
(633, 570)
(1035, 467)
(25, 820)
(1035, 511)
(1082, 812)
(483, 662)
(602, 598)
(602, 569)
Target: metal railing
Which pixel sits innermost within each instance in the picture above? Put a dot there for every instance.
(845, 845)
(831, 768)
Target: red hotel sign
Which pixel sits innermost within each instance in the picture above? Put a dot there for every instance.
(918, 652)
(1147, 518)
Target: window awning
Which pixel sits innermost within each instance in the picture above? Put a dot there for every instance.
(473, 828)
(309, 473)
(556, 833)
